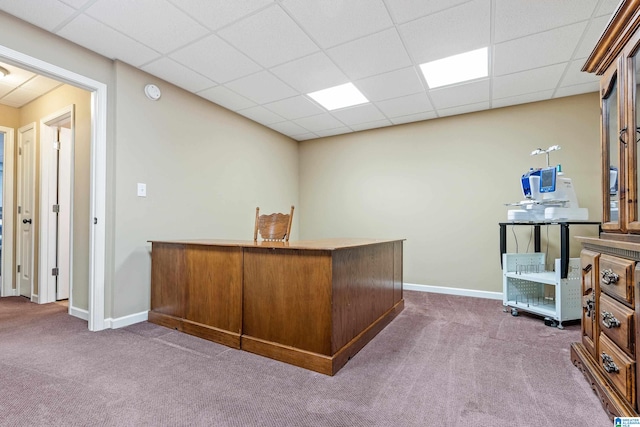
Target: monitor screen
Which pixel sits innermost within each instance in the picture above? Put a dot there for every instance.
(548, 180)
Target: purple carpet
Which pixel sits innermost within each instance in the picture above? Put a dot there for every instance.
(444, 361)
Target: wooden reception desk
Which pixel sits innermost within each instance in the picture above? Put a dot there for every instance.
(313, 304)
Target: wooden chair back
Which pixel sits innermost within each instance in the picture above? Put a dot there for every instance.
(273, 227)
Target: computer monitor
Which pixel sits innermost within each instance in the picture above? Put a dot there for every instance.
(548, 180)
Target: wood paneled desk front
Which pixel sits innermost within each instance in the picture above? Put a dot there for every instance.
(313, 304)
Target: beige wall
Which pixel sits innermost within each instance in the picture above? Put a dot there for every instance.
(42, 107)
(442, 184)
(206, 170)
(9, 117)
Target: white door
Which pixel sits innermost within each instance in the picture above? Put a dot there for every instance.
(56, 177)
(8, 287)
(26, 203)
(64, 214)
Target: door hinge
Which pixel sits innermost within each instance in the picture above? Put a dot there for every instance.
(56, 145)
(19, 151)
(95, 221)
(19, 209)
(18, 268)
(55, 271)
(55, 208)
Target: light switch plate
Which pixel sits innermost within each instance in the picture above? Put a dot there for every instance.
(142, 189)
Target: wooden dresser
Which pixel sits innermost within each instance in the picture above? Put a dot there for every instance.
(607, 353)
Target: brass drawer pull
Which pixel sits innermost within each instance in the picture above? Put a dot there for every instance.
(609, 320)
(608, 364)
(609, 277)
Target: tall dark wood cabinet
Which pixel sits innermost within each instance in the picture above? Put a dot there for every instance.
(607, 353)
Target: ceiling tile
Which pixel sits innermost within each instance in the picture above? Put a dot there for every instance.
(46, 14)
(215, 14)
(358, 114)
(391, 85)
(591, 36)
(16, 76)
(331, 22)
(13, 104)
(575, 76)
(5, 89)
(294, 108)
(289, 128)
(577, 89)
(607, 7)
(413, 118)
(157, 24)
(106, 41)
(371, 55)
(262, 87)
(20, 97)
(311, 73)
(216, 59)
(452, 31)
(261, 115)
(522, 99)
(305, 136)
(538, 50)
(405, 105)
(463, 109)
(178, 74)
(517, 18)
(332, 132)
(371, 125)
(528, 81)
(41, 85)
(77, 4)
(270, 37)
(226, 98)
(453, 96)
(408, 10)
(320, 122)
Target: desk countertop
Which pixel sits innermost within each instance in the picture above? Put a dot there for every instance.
(320, 244)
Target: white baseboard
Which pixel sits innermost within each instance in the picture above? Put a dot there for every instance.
(79, 313)
(452, 291)
(121, 322)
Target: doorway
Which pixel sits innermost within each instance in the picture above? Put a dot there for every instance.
(95, 313)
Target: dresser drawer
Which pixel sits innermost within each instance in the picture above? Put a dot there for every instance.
(617, 322)
(616, 277)
(618, 367)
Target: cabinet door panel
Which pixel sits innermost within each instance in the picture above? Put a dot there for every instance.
(613, 178)
(632, 64)
(589, 265)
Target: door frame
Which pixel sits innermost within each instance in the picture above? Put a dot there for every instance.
(7, 287)
(98, 184)
(47, 245)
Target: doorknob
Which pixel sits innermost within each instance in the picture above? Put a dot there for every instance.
(26, 221)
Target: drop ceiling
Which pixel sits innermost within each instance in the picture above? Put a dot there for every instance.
(260, 58)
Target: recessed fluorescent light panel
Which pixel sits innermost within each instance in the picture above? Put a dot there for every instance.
(342, 96)
(457, 68)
